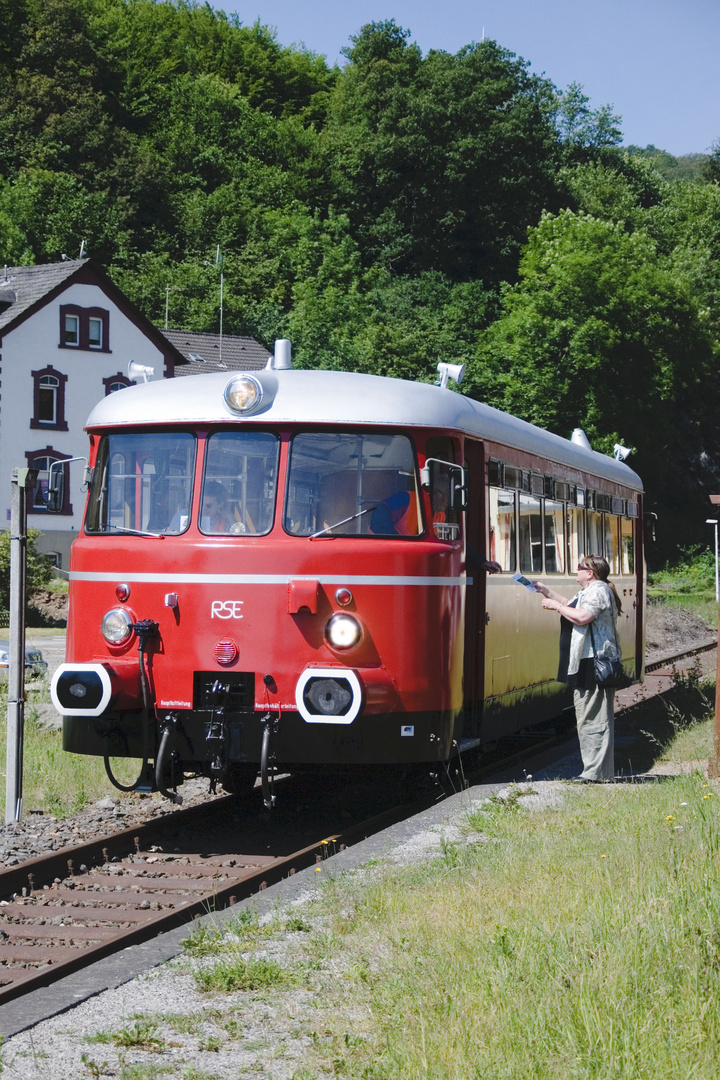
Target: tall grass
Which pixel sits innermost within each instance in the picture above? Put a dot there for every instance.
(583, 942)
(53, 780)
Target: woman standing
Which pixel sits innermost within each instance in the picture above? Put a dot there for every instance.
(588, 627)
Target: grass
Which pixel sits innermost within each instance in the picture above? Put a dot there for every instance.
(689, 584)
(576, 943)
(53, 780)
(236, 972)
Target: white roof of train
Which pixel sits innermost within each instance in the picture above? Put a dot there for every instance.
(340, 397)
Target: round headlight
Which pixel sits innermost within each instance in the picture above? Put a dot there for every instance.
(243, 393)
(116, 626)
(343, 631)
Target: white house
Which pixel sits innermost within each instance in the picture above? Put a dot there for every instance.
(67, 334)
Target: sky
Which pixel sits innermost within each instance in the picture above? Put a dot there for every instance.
(657, 62)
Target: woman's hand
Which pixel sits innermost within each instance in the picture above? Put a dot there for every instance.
(552, 605)
(539, 587)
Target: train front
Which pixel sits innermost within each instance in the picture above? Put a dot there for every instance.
(270, 574)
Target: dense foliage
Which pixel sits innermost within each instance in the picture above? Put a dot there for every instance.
(403, 209)
(39, 570)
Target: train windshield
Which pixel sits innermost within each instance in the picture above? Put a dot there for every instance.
(142, 484)
(343, 484)
(238, 496)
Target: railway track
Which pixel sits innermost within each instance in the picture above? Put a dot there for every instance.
(61, 912)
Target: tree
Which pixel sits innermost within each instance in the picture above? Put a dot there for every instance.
(600, 333)
(581, 126)
(440, 163)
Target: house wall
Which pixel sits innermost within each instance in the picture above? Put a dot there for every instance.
(34, 345)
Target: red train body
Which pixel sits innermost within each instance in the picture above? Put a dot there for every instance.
(285, 567)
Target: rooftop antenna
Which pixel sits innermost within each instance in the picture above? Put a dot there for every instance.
(218, 264)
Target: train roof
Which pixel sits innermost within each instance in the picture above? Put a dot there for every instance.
(341, 397)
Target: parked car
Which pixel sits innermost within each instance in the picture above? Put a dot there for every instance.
(35, 664)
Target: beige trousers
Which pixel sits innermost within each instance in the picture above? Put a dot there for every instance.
(594, 711)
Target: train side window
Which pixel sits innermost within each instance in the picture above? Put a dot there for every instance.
(595, 534)
(627, 550)
(531, 538)
(238, 497)
(576, 536)
(612, 542)
(503, 528)
(554, 537)
(142, 482)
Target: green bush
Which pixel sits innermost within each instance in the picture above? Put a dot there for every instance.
(39, 568)
(694, 572)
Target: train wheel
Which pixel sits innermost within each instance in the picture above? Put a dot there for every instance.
(239, 779)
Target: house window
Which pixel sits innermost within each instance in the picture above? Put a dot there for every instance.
(42, 460)
(116, 382)
(49, 399)
(84, 328)
(95, 333)
(71, 330)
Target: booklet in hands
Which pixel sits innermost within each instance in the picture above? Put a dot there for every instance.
(524, 581)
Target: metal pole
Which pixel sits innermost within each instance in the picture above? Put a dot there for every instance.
(714, 760)
(714, 522)
(16, 670)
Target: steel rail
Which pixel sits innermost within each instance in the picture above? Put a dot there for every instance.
(78, 905)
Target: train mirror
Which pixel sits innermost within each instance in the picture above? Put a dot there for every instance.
(458, 489)
(649, 522)
(55, 491)
(447, 484)
(53, 500)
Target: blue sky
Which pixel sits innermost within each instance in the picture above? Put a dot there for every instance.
(656, 61)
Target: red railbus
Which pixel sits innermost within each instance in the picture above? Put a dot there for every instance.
(284, 568)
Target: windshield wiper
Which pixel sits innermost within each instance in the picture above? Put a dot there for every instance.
(344, 521)
(136, 532)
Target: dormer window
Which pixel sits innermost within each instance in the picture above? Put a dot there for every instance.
(84, 328)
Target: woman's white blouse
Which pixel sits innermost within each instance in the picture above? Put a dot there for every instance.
(599, 600)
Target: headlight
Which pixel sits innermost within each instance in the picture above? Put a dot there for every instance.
(243, 393)
(343, 631)
(116, 626)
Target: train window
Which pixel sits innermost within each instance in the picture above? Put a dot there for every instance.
(238, 496)
(612, 543)
(554, 537)
(627, 551)
(531, 542)
(502, 528)
(345, 484)
(595, 534)
(142, 483)
(576, 537)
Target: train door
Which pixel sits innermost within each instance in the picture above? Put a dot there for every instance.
(475, 607)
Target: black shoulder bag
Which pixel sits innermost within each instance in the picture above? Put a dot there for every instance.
(609, 674)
